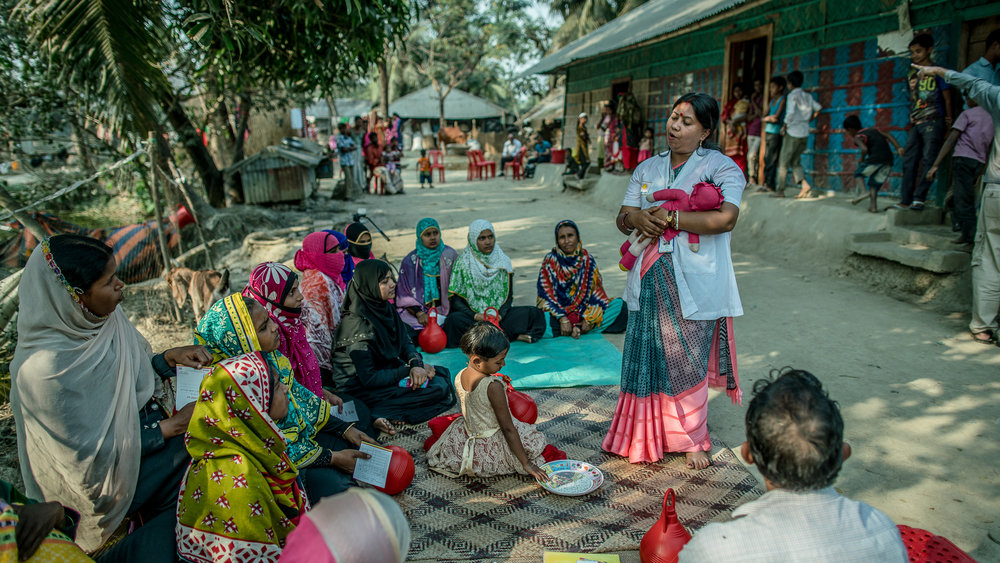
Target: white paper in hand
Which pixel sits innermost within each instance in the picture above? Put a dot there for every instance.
(374, 470)
(189, 385)
(350, 413)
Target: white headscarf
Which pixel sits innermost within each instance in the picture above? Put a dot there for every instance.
(481, 279)
(77, 385)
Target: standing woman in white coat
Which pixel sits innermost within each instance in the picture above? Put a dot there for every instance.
(681, 302)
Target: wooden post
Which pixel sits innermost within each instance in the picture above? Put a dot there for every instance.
(160, 232)
(182, 186)
(25, 218)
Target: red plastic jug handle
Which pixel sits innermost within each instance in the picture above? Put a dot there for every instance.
(668, 500)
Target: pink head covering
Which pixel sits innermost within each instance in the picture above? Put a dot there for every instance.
(321, 251)
(270, 283)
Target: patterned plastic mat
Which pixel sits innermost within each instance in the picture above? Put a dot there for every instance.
(512, 517)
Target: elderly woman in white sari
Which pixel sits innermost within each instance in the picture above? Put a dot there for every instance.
(95, 429)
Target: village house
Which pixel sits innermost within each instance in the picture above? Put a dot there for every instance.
(853, 55)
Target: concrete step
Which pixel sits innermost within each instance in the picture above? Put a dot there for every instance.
(903, 218)
(933, 236)
(906, 248)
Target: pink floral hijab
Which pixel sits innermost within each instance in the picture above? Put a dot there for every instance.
(270, 283)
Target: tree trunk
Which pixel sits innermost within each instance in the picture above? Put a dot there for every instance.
(211, 176)
(233, 183)
(383, 80)
(81, 147)
(441, 123)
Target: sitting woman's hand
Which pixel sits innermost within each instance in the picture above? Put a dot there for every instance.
(344, 460)
(177, 424)
(650, 222)
(422, 318)
(333, 400)
(35, 521)
(586, 327)
(418, 376)
(355, 437)
(479, 317)
(431, 372)
(565, 326)
(194, 356)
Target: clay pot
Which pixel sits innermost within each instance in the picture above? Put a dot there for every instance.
(401, 470)
(666, 538)
(432, 338)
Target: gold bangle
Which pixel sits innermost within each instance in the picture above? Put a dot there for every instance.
(346, 430)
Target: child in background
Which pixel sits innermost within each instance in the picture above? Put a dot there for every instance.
(425, 169)
(646, 144)
(875, 160)
(501, 445)
(930, 116)
(970, 136)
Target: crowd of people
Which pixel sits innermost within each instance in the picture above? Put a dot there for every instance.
(370, 150)
(260, 467)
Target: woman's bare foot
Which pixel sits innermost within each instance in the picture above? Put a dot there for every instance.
(383, 425)
(698, 460)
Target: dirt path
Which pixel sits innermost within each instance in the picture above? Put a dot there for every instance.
(921, 402)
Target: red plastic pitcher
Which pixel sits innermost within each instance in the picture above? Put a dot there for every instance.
(432, 338)
(666, 538)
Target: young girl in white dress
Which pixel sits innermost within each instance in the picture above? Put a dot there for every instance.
(486, 440)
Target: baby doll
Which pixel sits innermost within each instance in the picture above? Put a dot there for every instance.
(704, 196)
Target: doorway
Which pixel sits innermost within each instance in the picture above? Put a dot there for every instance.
(973, 42)
(747, 60)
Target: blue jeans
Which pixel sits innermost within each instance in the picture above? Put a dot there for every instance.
(922, 146)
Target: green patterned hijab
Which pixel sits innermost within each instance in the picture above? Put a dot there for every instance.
(483, 280)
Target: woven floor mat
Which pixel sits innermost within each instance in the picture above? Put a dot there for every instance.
(512, 517)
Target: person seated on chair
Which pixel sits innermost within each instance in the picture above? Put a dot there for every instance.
(542, 151)
(795, 437)
(510, 149)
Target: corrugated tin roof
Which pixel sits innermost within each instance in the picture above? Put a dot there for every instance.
(347, 107)
(650, 20)
(459, 104)
(301, 158)
(549, 107)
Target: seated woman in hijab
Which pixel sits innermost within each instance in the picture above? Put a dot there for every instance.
(322, 262)
(322, 447)
(240, 498)
(374, 359)
(483, 277)
(329, 532)
(359, 242)
(276, 287)
(76, 349)
(570, 287)
(424, 276)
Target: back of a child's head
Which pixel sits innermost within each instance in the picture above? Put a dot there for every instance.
(423, 152)
(795, 431)
(852, 123)
(925, 40)
(795, 78)
(485, 340)
(779, 81)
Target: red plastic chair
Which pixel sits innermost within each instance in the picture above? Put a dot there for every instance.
(517, 165)
(473, 169)
(925, 547)
(484, 164)
(437, 163)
